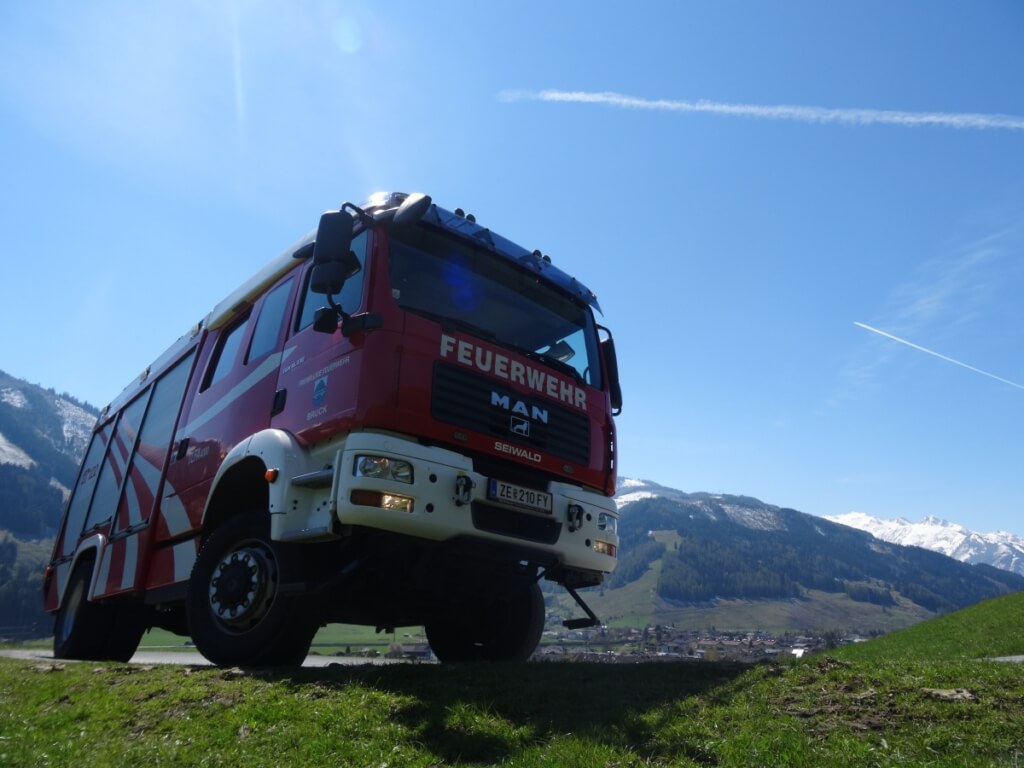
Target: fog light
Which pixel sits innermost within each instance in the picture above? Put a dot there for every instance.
(606, 522)
(383, 468)
(381, 500)
(397, 503)
(605, 548)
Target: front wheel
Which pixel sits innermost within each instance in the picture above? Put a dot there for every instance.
(502, 627)
(236, 612)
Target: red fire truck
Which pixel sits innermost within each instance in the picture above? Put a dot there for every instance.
(405, 419)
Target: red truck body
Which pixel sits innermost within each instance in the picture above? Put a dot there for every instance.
(419, 442)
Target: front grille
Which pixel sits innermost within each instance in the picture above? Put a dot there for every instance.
(493, 519)
(467, 400)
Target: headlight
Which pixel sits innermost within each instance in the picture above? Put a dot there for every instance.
(606, 522)
(383, 468)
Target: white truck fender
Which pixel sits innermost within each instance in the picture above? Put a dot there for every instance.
(295, 512)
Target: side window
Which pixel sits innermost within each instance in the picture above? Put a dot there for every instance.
(79, 505)
(108, 486)
(268, 324)
(227, 352)
(351, 295)
(154, 439)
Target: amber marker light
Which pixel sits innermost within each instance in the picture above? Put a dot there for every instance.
(271, 475)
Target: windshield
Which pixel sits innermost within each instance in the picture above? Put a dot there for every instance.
(469, 288)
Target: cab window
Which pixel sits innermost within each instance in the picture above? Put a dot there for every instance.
(268, 325)
(227, 352)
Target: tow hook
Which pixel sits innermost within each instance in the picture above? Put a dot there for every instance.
(463, 490)
(574, 517)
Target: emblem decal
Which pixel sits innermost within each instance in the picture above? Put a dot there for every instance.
(320, 390)
(518, 426)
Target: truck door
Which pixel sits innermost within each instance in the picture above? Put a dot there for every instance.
(318, 380)
(140, 447)
(234, 396)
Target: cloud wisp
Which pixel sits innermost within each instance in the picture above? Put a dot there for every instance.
(940, 356)
(803, 114)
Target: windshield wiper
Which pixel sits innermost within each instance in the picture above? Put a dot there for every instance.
(554, 362)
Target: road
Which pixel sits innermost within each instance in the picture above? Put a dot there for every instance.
(194, 659)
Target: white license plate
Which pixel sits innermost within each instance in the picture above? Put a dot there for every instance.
(516, 495)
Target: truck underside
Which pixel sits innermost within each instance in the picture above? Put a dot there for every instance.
(263, 601)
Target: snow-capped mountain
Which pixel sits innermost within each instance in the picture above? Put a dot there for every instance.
(68, 432)
(721, 547)
(743, 510)
(42, 438)
(1000, 549)
(631, 490)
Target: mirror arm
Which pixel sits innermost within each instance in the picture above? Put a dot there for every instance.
(337, 308)
(325, 320)
(360, 214)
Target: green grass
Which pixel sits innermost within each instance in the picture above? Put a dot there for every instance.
(818, 712)
(917, 697)
(989, 629)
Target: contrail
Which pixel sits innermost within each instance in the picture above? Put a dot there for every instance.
(936, 354)
(778, 112)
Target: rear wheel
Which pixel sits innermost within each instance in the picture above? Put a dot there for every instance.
(94, 631)
(237, 614)
(504, 627)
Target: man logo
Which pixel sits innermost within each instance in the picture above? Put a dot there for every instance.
(518, 426)
(527, 412)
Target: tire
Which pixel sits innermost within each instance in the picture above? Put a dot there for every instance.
(236, 613)
(94, 631)
(506, 627)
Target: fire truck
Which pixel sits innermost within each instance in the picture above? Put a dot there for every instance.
(405, 419)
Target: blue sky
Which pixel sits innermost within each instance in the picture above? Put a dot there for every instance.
(740, 183)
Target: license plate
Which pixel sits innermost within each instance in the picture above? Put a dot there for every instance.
(516, 495)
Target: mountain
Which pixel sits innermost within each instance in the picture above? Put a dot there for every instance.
(695, 559)
(1000, 549)
(42, 438)
(734, 561)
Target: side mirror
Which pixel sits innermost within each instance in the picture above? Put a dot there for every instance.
(611, 363)
(332, 256)
(330, 277)
(325, 320)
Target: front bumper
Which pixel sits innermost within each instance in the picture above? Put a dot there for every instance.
(445, 500)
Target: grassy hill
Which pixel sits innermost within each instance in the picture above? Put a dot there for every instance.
(990, 629)
(21, 580)
(913, 698)
(638, 604)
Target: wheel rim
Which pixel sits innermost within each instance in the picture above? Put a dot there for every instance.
(243, 586)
